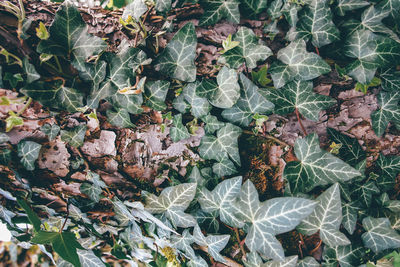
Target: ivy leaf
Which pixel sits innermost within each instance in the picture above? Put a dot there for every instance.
(32, 216)
(163, 5)
(208, 220)
(5, 156)
(120, 118)
(31, 73)
(365, 192)
(248, 51)
(29, 152)
(121, 71)
(183, 242)
(132, 102)
(347, 5)
(391, 6)
(316, 167)
(315, 22)
(74, 136)
(345, 256)
(287, 262)
(225, 92)
(297, 63)
(6, 215)
(389, 169)
(51, 130)
(69, 36)
(12, 121)
(212, 124)
(4, 138)
(88, 258)
(222, 146)
(350, 211)
(215, 10)
(92, 191)
(350, 151)
(155, 93)
(389, 111)
(178, 131)
(177, 59)
(172, 202)
(390, 80)
(253, 7)
(326, 218)
(300, 95)
(70, 99)
(270, 218)
(65, 244)
(222, 200)
(249, 103)
(380, 235)
(214, 243)
(199, 106)
(224, 167)
(308, 262)
(135, 9)
(253, 260)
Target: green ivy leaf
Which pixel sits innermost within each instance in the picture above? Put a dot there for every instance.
(121, 73)
(389, 169)
(365, 191)
(6, 215)
(88, 258)
(65, 244)
(92, 191)
(13, 79)
(349, 221)
(297, 63)
(178, 131)
(29, 152)
(390, 80)
(248, 51)
(222, 200)
(135, 9)
(308, 262)
(51, 130)
(225, 92)
(389, 111)
(300, 95)
(215, 10)
(347, 5)
(12, 121)
(163, 5)
(172, 202)
(31, 73)
(223, 146)
(249, 103)
(155, 93)
(199, 106)
(183, 242)
(380, 235)
(316, 167)
(270, 218)
(5, 156)
(74, 136)
(326, 218)
(287, 262)
(315, 23)
(350, 151)
(177, 59)
(119, 118)
(391, 6)
(32, 216)
(212, 124)
(345, 256)
(214, 243)
(69, 36)
(253, 7)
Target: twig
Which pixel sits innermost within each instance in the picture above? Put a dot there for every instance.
(240, 243)
(301, 124)
(317, 247)
(267, 136)
(316, 50)
(66, 219)
(28, 103)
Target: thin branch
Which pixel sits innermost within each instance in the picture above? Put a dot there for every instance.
(66, 219)
(267, 136)
(300, 122)
(28, 103)
(240, 242)
(229, 261)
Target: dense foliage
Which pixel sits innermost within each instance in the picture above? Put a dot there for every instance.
(338, 196)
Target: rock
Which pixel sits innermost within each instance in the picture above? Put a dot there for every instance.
(55, 157)
(103, 146)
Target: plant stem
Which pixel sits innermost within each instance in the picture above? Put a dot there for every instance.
(58, 64)
(28, 103)
(66, 218)
(300, 122)
(21, 19)
(240, 242)
(267, 136)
